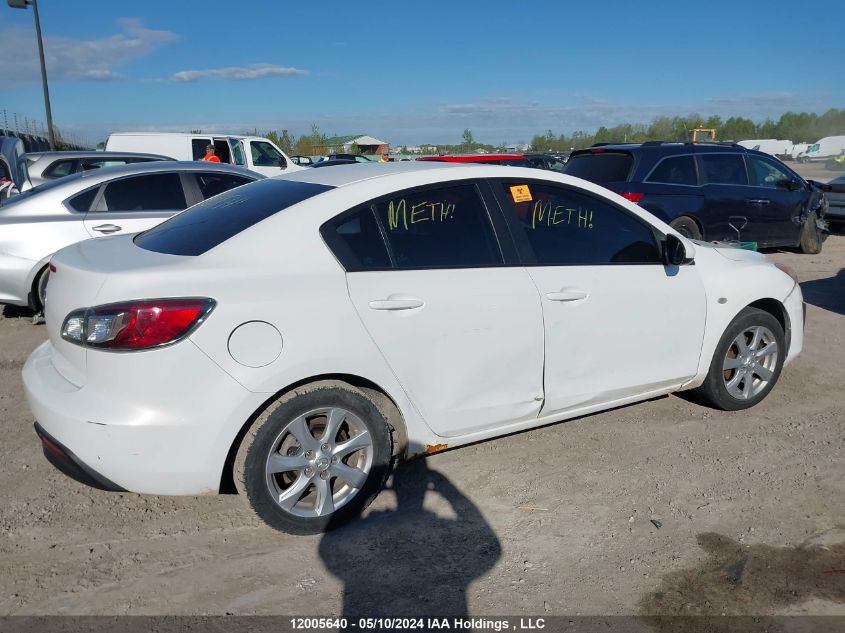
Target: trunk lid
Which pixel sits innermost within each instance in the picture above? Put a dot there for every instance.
(77, 276)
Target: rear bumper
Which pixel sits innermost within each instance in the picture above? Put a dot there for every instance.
(64, 459)
(161, 424)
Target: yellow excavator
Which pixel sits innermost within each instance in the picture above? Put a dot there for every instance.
(701, 134)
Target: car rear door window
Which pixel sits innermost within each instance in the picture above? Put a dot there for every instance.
(151, 192)
(677, 170)
(82, 202)
(600, 166)
(439, 227)
(357, 241)
(562, 226)
(214, 184)
(723, 169)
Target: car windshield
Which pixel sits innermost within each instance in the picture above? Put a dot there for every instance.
(210, 223)
(600, 166)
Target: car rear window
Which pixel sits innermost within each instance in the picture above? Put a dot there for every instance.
(677, 170)
(210, 223)
(601, 166)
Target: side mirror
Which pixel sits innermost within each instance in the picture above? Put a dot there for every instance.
(674, 251)
(790, 185)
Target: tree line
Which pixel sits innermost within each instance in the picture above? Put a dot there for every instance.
(798, 127)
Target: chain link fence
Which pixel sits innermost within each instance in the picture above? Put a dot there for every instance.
(34, 134)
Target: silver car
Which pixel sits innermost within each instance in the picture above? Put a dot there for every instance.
(43, 167)
(112, 200)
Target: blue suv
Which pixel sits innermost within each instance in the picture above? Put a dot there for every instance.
(711, 191)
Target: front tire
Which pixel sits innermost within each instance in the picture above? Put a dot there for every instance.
(811, 238)
(747, 362)
(315, 458)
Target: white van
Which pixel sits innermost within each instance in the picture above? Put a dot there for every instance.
(253, 152)
(773, 146)
(798, 150)
(825, 148)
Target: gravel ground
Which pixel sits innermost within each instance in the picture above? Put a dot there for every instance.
(659, 507)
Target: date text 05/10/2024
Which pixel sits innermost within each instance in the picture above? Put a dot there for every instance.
(425, 624)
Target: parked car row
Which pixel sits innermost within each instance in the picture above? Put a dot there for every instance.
(712, 192)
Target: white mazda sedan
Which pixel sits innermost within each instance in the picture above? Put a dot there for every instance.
(298, 335)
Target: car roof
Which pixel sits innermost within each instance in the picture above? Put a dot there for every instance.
(668, 147)
(472, 158)
(92, 154)
(62, 188)
(350, 173)
(92, 177)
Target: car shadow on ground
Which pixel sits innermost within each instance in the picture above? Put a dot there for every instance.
(749, 580)
(17, 312)
(828, 293)
(417, 560)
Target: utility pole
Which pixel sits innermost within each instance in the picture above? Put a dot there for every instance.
(22, 4)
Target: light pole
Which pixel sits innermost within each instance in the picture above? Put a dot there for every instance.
(21, 4)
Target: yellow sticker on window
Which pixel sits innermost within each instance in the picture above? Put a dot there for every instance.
(521, 193)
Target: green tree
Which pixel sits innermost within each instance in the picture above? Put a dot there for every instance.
(467, 138)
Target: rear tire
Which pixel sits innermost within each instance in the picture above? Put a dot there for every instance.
(687, 227)
(315, 459)
(39, 290)
(746, 364)
(811, 238)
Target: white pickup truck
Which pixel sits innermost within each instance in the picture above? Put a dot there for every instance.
(253, 152)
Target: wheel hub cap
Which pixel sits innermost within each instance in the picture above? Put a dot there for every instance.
(750, 362)
(319, 462)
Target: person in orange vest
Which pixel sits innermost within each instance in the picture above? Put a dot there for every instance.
(383, 158)
(210, 156)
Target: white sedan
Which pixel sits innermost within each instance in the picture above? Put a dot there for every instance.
(297, 335)
(93, 203)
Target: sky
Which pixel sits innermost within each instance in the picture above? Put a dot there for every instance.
(417, 72)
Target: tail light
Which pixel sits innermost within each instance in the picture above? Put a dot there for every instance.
(633, 197)
(136, 325)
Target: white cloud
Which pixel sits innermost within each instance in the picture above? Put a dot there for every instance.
(253, 71)
(75, 58)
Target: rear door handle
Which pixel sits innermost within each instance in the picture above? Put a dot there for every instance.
(757, 201)
(567, 294)
(397, 302)
(106, 228)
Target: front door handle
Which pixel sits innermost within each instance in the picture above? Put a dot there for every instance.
(397, 302)
(758, 201)
(106, 228)
(567, 294)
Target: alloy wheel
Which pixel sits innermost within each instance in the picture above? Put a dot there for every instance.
(750, 362)
(319, 462)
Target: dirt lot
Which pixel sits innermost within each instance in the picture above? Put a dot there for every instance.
(660, 507)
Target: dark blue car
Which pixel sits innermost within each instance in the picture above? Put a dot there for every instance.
(711, 191)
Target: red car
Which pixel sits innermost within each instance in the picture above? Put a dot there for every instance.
(516, 160)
